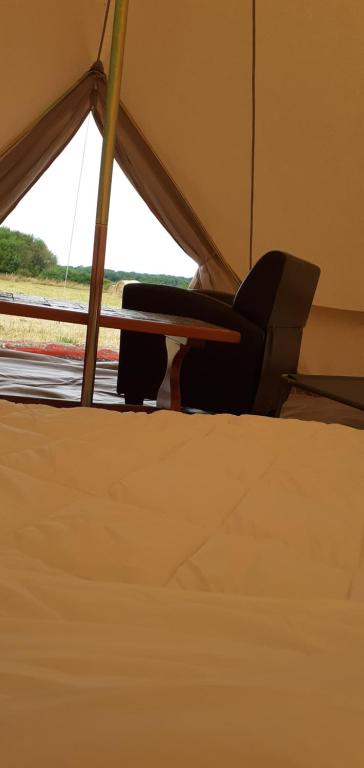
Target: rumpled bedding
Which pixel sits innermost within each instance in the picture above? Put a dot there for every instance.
(180, 590)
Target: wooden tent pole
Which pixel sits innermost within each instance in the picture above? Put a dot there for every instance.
(103, 200)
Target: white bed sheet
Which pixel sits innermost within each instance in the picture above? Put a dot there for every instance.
(180, 590)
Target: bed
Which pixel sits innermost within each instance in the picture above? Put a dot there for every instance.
(180, 590)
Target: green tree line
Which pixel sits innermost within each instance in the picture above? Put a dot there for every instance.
(24, 254)
(28, 256)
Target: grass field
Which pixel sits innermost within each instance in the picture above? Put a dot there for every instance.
(23, 330)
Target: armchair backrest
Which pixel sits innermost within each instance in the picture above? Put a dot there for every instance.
(277, 295)
(278, 291)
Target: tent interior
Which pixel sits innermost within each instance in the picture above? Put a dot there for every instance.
(208, 93)
(188, 590)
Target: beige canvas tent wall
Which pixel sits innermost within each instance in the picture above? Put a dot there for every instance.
(241, 126)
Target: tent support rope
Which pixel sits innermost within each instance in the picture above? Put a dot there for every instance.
(76, 204)
(103, 30)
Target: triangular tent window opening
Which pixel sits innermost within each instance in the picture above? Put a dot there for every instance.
(60, 210)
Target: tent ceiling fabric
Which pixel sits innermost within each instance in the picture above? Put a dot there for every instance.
(187, 85)
(46, 46)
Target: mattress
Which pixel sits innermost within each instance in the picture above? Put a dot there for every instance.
(180, 590)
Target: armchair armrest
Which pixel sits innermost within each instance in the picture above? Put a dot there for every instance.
(165, 299)
(227, 298)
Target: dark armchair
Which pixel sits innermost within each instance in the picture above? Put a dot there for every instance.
(270, 310)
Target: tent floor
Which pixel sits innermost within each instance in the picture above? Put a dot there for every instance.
(25, 374)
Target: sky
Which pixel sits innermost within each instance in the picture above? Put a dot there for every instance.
(136, 240)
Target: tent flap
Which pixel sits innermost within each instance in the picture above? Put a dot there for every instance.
(26, 160)
(158, 190)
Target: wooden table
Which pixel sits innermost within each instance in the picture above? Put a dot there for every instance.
(187, 331)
